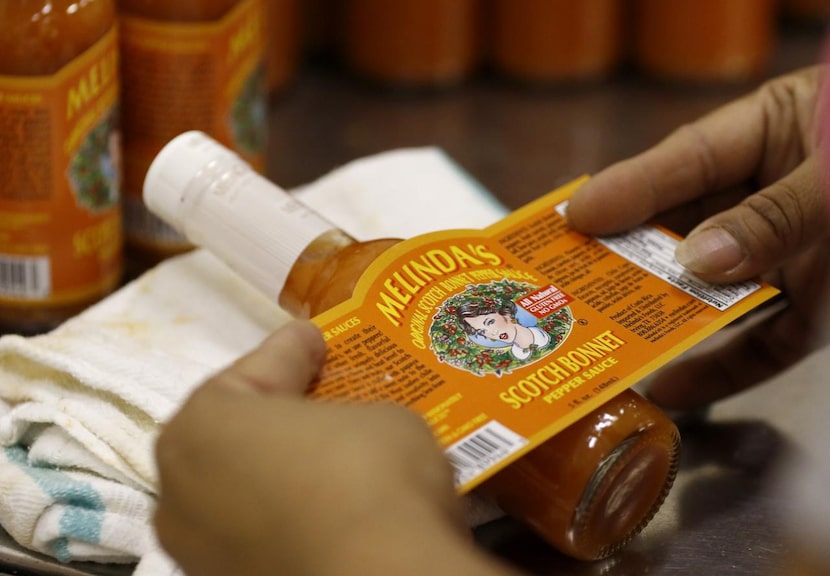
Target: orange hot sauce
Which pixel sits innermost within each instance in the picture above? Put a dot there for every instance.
(188, 64)
(588, 490)
(555, 40)
(60, 190)
(704, 40)
(282, 39)
(412, 42)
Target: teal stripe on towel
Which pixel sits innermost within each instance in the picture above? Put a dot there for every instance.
(83, 514)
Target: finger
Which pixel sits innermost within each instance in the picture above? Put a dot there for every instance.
(749, 358)
(761, 232)
(717, 151)
(762, 135)
(180, 542)
(286, 362)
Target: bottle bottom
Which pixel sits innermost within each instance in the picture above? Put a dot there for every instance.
(625, 493)
(595, 485)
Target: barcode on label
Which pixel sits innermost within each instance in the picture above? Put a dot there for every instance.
(25, 277)
(481, 450)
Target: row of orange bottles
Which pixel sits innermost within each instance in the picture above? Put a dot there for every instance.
(85, 105)
(443, 41)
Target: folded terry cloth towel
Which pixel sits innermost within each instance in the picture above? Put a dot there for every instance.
(80, 407)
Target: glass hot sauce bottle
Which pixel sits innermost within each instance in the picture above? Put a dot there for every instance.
(60, 160)
(588, 490)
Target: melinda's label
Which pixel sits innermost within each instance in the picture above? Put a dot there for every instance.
(206, 76)
(501, 338)
(60, 218)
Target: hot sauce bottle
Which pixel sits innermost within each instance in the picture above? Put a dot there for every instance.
(187, 65)
(60, 189)
(555, 40)
(704, 40)
(282, 41)
(412, 43)
(588, 490)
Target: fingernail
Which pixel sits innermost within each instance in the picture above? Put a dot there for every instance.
(709, 251)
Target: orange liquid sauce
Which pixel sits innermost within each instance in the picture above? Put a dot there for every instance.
(702, 40)
(541, 40)
(589, 489)
(412, 41)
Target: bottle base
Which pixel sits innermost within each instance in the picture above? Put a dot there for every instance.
(625, 493)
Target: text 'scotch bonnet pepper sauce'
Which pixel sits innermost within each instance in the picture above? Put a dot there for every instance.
(60, 160)
(588, 490)
(186, 65)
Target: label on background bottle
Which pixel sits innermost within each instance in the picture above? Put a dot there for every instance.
(502, 338)
(206, 76)
(60, 217)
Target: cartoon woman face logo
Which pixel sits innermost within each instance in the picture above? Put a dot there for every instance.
(483, 330)
(496, 326)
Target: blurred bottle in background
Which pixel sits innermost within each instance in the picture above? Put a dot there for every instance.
(60, 168)
(555, 40)
(410, 43)
(186, 64)
(814, 12)
(322, 23)
(282, 39)
(704, 41)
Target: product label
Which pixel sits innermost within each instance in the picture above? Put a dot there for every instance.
(501, 338)
(60, 217)
(206, 76)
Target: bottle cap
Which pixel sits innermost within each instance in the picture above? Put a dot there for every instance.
(217, 201)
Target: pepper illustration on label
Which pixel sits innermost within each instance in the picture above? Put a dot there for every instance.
(95, 169)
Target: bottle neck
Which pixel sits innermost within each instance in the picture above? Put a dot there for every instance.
(260, 231)
(289, 252)
(327, 272)
(217, 201)
(297, 296)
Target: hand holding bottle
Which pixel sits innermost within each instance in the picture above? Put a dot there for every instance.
(257, 480)
(746, 180)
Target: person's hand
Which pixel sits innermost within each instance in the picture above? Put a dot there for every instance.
(746, 180)
(257, 480)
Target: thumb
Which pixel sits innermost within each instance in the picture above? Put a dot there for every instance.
(285, 362)
(762, 231)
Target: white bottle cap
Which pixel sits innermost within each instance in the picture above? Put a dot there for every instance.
(217, 201)
(180, 162)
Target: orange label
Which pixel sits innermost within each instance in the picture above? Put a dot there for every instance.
(501, 338)
(60, 218)
(189, 76)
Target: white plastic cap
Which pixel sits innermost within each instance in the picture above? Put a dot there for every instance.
(217, 201)
(170, 176)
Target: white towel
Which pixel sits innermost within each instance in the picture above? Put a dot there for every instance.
(80, 407)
